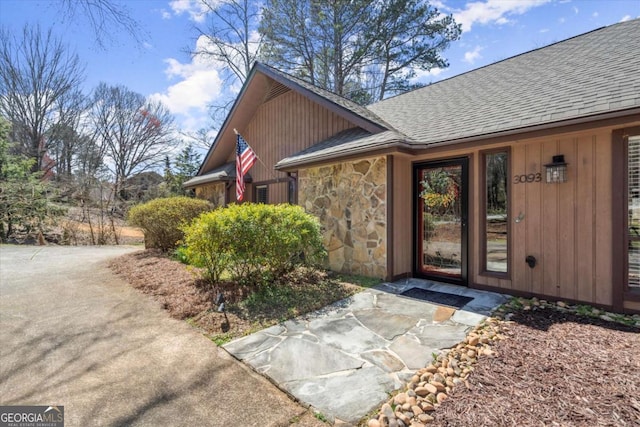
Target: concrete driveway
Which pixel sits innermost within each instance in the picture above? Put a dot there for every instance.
(73, 334)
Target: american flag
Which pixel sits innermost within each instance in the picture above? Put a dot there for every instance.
(245, 158)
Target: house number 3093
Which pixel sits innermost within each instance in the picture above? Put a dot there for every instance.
(524, 179)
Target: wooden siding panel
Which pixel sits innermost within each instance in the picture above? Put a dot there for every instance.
(477, 205)
(283, 126)
(519, 229)
(585, 217)
(566, 223)
(632, 305)
(550, 260)
(534, 206)
(603, 242)
(402, 216)
(567, 226)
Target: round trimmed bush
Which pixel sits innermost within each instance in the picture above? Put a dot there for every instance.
(253, 242)
(161, 219)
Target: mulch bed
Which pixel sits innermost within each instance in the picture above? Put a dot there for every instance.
(554, 368)
(180, 290)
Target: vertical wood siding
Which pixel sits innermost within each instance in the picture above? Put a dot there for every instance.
(281, 127)
(566, 227)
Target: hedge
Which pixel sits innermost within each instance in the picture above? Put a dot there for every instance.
(161, 219)
(253, 242)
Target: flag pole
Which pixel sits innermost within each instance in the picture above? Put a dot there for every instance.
(259, 159)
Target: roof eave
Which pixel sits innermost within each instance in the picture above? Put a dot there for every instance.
(533, 128)
(400, 146)
(337, 155)
(200, 180)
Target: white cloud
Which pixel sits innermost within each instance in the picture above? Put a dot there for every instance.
(198, 84)
(428, 76)
(625, 18)
(197, 89)
(544, 30)
(165, 14)
(562, 20)
(422, 75)
(439, 5)
(472, 55)
(576, 10)
(595, 14)
(196, 9)
(493, 11)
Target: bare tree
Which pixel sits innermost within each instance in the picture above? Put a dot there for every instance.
(134, 131)
(106, 18)
(64, 138)
(36, 73)
(229, 37)
(201, 139)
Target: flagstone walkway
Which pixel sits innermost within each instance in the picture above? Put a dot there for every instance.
(344, 359)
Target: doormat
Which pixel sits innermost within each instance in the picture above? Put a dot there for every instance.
(451, 300)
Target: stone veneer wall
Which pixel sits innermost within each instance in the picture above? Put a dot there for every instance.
(350, 200)
(212, 192)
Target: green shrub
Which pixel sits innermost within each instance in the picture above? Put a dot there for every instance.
(253, 242)
(161, 219)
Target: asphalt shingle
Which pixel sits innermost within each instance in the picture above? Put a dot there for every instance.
(594, 73)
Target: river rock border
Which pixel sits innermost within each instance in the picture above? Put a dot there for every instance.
(431, 386)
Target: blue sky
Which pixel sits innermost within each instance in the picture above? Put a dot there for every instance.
(161, 68)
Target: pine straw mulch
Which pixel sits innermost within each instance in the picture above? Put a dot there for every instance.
(554, 368)
(180, 290)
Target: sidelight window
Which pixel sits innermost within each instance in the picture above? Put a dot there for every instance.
(496, 212)
(633, 204)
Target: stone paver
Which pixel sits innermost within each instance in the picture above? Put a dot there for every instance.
(345, 359)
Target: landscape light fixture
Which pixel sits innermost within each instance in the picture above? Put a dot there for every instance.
(220, 302)
(556, 170)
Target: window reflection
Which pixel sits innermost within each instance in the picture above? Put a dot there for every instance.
(496, 215)
(633, 159)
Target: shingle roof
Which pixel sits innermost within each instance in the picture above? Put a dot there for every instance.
(347, 142)
(226, 172)
(591, 74)
(583, 78)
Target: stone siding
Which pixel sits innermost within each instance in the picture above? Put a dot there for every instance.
(212, 192)
(350, 200)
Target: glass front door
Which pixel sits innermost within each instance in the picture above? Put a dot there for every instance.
(441, 220)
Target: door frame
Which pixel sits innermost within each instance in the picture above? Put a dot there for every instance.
(620, 227)
(464, 163)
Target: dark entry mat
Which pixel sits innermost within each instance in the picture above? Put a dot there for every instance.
(451, 300)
